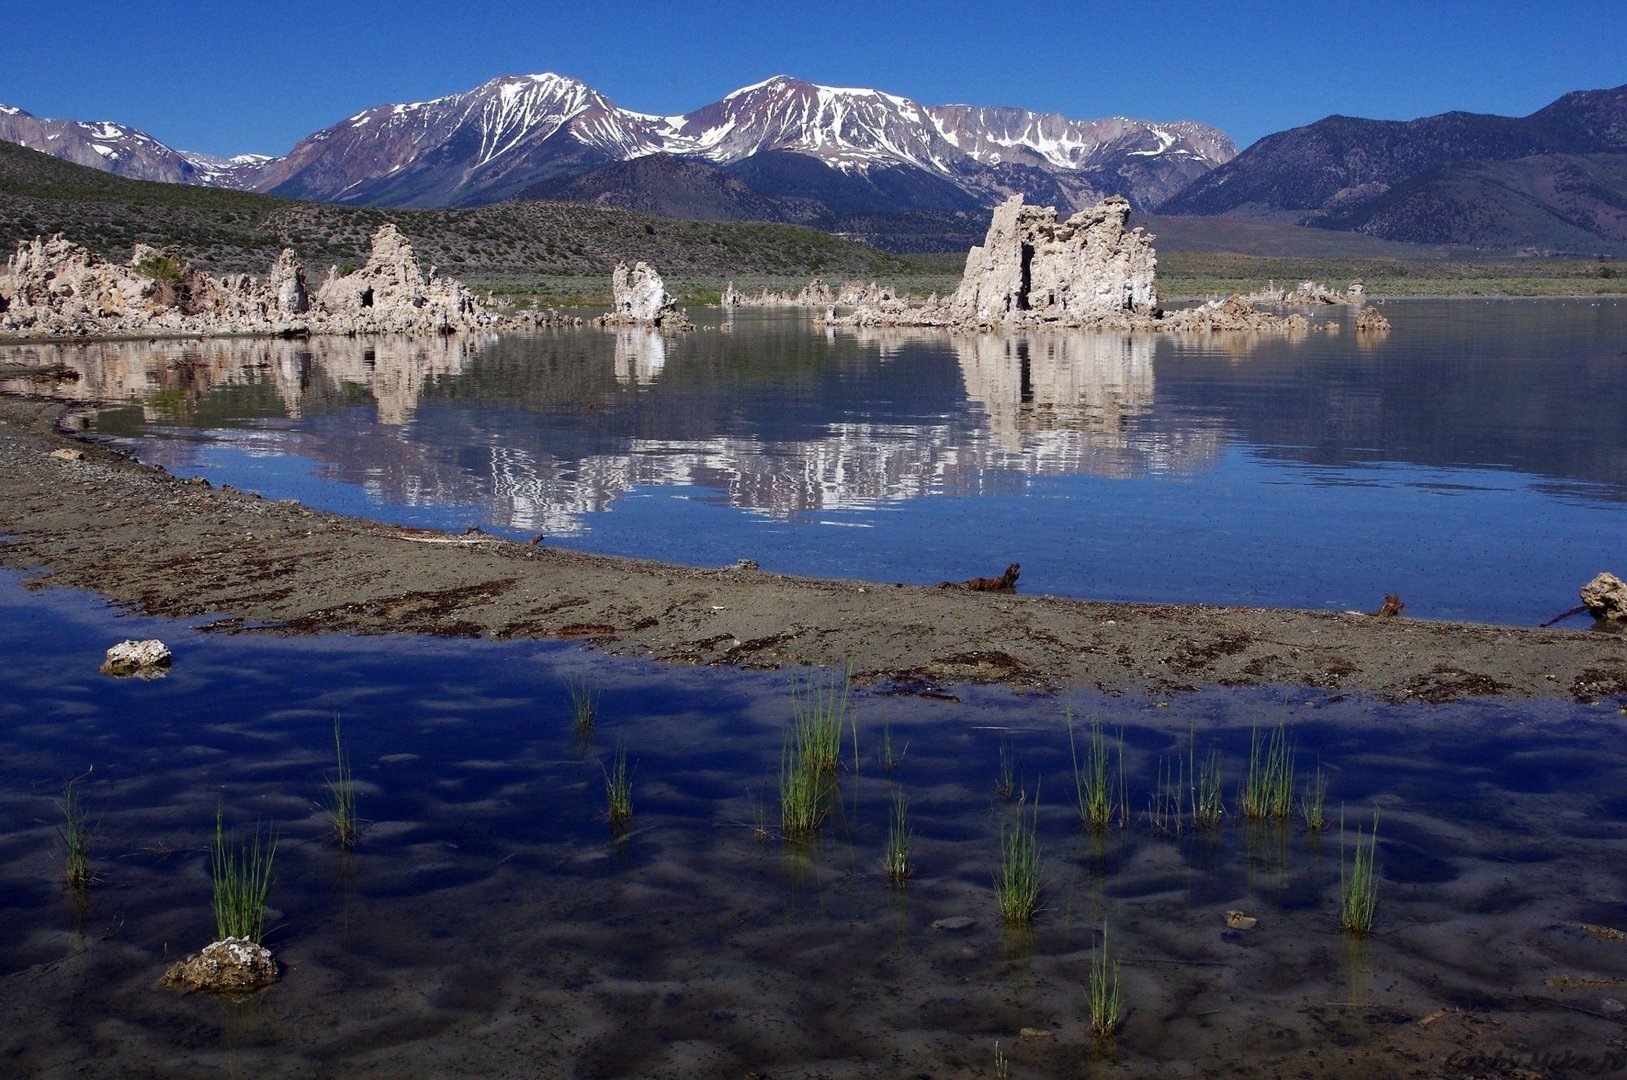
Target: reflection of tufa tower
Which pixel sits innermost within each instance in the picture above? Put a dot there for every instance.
(641, 353)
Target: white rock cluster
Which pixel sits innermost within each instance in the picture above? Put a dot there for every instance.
(54, 288)
(640, 298)
(146, 658)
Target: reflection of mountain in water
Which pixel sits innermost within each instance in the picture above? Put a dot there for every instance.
(542, 431)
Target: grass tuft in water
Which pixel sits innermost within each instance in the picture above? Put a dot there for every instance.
(1313, 802)
(584, 703)
(888, 759)
(1106, 1005)
(1208, 804)
(820, 708)
(1099, 791)
(75, 834)
(618, 787)
(1358, 882)
(802, 790)
(1017, 880)
(241, 873)
(1005, 781)
(898, 841)
(1002, 1064)
(342, 795)
(1268, 788)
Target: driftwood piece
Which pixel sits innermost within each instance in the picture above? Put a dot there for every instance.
(1006, 582)
(1391, 608)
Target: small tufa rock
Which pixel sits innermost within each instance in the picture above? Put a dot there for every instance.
(68, 453)
(1391, 608)
(148, 659)
(1371, 322)
(1237, 920)
(1605, 597)
(230, 966)
(953, 924)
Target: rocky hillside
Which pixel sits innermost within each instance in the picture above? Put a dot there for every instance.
(1548, 180)
(242, 231)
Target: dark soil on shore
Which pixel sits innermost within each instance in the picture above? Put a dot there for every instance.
(95, 519)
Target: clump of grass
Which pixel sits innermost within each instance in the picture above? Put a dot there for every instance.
(802, 790)
(1002, 1064)
(898, 841)
(1208, 804)
(584, 703)
(618, 786)
(1099, 790)
(1313, 802)
(75, 834)
(888, 760)
(1017, 879)
(1268, 788)
(1358, 883)
(1005, 781)
(241, 873)
(1106, 1004)
(342, 795)
(820, 708)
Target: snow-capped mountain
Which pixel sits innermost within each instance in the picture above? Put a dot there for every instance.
(517, 131)
(119, 149)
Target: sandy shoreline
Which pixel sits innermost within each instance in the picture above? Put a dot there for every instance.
(100, 521)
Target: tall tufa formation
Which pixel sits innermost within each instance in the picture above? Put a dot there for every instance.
(1032, 270)
(641, 299)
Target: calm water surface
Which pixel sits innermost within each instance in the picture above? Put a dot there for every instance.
(1472, 460)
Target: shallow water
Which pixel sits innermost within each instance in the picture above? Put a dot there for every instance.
(1470, 461)
(489, 924)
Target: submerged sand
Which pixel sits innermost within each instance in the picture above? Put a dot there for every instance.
(94, 518)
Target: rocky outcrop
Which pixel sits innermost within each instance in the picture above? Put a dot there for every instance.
(229, 966)
(1605, 597)
(1370, 321)
(641, 299)
(1032, 270)
(732, 297)
(1090, 272)
(55, 288)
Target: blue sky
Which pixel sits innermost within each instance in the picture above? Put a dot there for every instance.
(227, 78)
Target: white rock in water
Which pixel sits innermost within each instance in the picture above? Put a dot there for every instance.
(229, 965)
(1606, 597)
(137, 657)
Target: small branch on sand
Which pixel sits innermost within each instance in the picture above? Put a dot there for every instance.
(1006, 582)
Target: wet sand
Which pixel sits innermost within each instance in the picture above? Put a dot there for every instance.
(164, 546)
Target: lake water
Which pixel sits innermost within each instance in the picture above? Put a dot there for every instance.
(1471, 461)
(490, 923)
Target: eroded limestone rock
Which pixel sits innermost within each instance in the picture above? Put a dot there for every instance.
(1031, 269)
(229, 966)
(146, 658)
(1605, 597)
(640, 298)
(1370, 321)
(55, 288)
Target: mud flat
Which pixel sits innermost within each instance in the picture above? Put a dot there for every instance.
(93, 518)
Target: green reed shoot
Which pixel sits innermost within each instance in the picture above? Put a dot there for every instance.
(1017, 880)
(1098, 790)
(1208, 804)
(820, 708)
(1358, 882)
(887, 759)
(898, 841)
(1313, 802)
(241, 873)
(584, 703)
(802, 790)
(1268, 788)
(1106, 1004)
(342, 794)
(75, 834)
(1165, 806)
(618, 787)
(1002, 1064)
(1005, 781)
